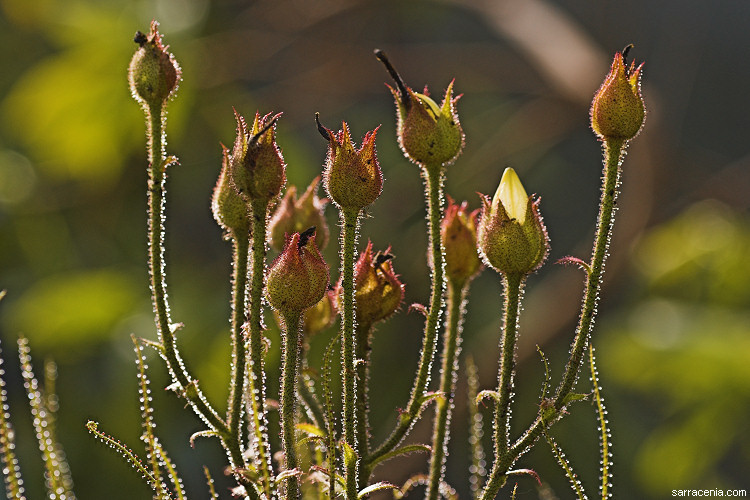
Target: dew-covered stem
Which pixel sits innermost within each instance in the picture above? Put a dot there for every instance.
(350, 220)
(292, 345)
(241, 243)
(256, 373)
(614, 153)
(448, 374)
(362, 354)
(513, 284)
(434, 176)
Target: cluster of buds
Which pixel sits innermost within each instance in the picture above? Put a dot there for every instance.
(511, 234)
(352, 176)
(378, 292)
(618, 111)
(153, 73)
(298, 278)
(427, 133)
(295, 215)
(458, 231)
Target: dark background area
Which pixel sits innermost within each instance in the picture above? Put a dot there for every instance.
(672, 336)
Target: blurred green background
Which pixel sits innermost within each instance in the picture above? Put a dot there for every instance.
(673, 335)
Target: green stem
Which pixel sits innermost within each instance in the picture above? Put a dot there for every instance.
(434, 176)
(362, 354)
(256, 375)
(156, 203)
(512, 284)
(614, 153)
(349, 238)
(448, 374)
(289, 370)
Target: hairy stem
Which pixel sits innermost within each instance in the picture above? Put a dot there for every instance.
(512, 284)
(348, 241)
(448, 374)
(256, 375)
(362, 354)
(289, 370)
(434, 176)
(156, 203)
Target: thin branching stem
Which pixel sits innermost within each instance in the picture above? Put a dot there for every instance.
(362, 354)
(614, 153)
(434, 176)
(448, 374)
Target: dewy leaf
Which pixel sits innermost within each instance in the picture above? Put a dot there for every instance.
(379, 486)
(486, 394)
(11, 469)
(404, 450)
(570, 398)
(575, 483)
(605, 475)
(311, 429)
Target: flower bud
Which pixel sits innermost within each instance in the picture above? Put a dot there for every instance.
(617, 111)
(352, 176)
(229, 209)
(321, 315)
(512, 237)
(458, 231)
(298, 278)
(427, 133)
(257, 167)
(153, 73)
(293, 216)
(377, 290)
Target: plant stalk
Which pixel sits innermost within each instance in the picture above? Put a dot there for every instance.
(292, 345)
(448, 374)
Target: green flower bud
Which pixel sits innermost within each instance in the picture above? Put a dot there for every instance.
(229, 209)
(618, 111)
(153, 73)
(257, 167)
(427, 133)
(458, 231)
(298, 278)
(378, 293)
(352, 176)
(511, 233)
(294, 216)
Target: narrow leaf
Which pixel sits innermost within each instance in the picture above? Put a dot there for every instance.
(563, 461)
(379, 486)
(605, 474)
(11, 469)
(404, 450)
(210, 483)
(486, 394)
(311, 429)
(477, 471)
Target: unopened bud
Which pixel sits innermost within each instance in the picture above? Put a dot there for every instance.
(298, 278)
(458, 231)
(512, 236)
(257, 167)
(427, 133)
(618, 111)
(229, 209)
(153, 73)
(295, 215)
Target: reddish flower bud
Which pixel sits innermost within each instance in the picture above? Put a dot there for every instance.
(257, 167)
(617, 111)
(298, 277)
(352, 176)
(511, 234)
(293, 216)
(427, 133)
(458, 231)
(377, 290)
(153, 73)
(229, 209)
